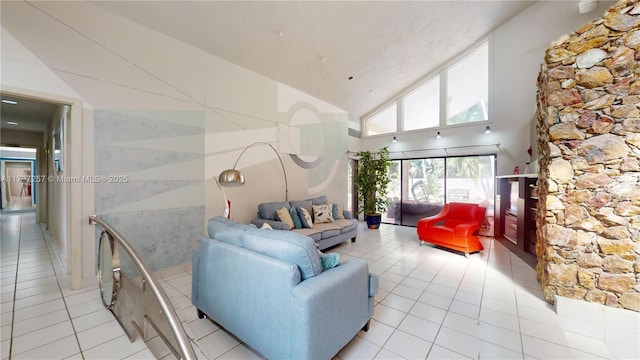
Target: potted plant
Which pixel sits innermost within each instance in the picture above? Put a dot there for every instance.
(371, 181)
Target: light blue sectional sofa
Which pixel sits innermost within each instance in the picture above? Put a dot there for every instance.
(344, 228)
(269, 289)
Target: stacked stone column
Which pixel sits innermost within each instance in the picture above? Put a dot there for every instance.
(588, 243)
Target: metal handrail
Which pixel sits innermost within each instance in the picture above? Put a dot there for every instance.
(185, 348)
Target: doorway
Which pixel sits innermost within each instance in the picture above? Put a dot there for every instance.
(57, 204)
(18, 192)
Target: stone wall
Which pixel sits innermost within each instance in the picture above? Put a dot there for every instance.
(588, 246)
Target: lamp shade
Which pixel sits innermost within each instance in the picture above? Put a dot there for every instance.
(231, 178)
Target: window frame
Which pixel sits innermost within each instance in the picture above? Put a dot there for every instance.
(440, 72)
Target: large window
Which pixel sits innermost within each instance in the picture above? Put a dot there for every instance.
(468, 88)
(420, 187)
(465, 83)
(383, 122)
(422, 106)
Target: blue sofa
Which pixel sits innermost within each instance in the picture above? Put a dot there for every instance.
(325, 234)
(269, 289)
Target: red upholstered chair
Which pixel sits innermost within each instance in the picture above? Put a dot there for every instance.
(455, 227)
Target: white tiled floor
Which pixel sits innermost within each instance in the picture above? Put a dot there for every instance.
(432, 304)
(41, 317)
(20, 203)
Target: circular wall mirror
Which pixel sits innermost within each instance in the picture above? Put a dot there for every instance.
(105, 269)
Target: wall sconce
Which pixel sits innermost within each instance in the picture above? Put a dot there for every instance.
(438, 136)
(234, 178)
(394, 140)
(487, 130)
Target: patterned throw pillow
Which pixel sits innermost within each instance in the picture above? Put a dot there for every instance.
(323, 213)
(284, 216)
(305, 218)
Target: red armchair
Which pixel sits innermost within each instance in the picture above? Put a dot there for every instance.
(455, 227)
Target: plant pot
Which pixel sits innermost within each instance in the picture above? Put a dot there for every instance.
(373, 220)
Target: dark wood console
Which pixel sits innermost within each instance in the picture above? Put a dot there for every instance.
(515, 215)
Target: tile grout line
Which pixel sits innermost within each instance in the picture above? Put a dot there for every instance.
(15, 286)
(75, 333)
(484, 283)
(517, 310)
(407, 313)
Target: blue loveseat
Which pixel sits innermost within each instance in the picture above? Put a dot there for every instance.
(269, 289)
(343, 228)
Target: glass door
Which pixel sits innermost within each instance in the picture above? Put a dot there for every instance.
(471, 179)
(424, 184)
(394, 193)
(421, 187)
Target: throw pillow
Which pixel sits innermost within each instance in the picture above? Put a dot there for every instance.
(329, 260)
(322, 214)
(305, 218)
(302, 204)
(296, 219)
(338, 211)
(266, 226)
(284, 215)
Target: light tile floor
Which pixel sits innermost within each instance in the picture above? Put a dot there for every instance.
(41, 318)
(432, 304)
(19, 203)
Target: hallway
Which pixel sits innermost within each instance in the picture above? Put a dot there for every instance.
(41, 316)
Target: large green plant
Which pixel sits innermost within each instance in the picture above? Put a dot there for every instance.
(372, 179)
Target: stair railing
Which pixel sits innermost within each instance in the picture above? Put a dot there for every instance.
(137, 301)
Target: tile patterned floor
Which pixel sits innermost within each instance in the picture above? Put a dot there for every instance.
(41, 317)
(432, 304)
(20, 203)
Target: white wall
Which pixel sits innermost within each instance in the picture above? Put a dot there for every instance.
(517, 50)
(57, 206)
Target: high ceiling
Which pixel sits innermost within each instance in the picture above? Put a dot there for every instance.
(316, 47)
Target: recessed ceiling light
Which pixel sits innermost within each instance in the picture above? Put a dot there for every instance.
(322, 59)
(280, 34)
(372, 92)
(350, 78)
(12, 102)
(12, 123)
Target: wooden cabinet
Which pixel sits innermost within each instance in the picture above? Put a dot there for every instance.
(515, 215)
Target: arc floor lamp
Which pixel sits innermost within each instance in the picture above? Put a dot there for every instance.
(234, 178)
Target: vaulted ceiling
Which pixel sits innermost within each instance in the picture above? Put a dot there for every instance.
(352, 54)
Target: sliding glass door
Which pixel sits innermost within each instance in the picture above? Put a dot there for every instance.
(420, 187)
(471, 179)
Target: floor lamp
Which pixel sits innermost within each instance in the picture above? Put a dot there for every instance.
(234, 178)
(227, 204)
